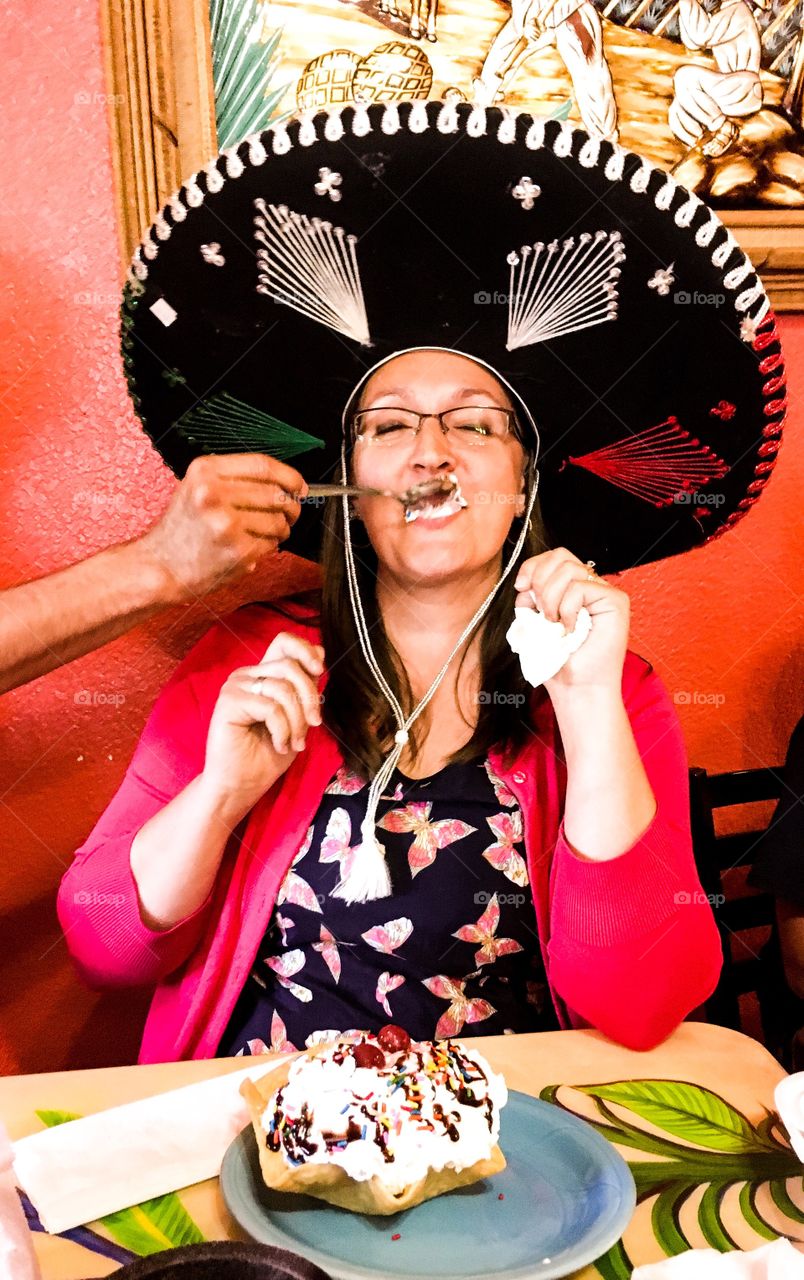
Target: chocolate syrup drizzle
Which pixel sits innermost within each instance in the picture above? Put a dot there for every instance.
(464, 1078)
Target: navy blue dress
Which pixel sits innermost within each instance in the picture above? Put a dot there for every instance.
(453, 951)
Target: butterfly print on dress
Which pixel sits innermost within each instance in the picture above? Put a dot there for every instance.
(255, 1047)
(461, 1008)
(386, 983)
(502, 855)
(484, 933)
(279, 1037)
(345, 783)
(504, 796)
(430, 837)
(389, 936)
(284, 967)
(335, 846)
(294, 889)
(328, 949)
(283, 924)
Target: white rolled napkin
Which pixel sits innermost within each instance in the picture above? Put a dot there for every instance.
(789, 1098)
(775, 1261)
(80, 1171)
(545, 646)
(17, 1257)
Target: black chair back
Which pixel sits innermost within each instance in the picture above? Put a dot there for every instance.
(715, 855)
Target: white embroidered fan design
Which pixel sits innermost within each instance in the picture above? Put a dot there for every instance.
(561, 287)
(311, 266)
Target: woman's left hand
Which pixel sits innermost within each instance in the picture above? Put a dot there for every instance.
(556, 582)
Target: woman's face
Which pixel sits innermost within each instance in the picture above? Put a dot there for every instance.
(490, 475)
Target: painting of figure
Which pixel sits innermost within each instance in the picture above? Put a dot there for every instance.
(710, 90)
(574, 29)
(708, 102)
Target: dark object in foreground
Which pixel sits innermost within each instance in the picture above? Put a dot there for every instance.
(223, 1260)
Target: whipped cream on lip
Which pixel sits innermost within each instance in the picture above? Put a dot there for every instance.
(439, 505)
(430, 1105)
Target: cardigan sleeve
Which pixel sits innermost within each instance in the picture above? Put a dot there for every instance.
(98, 904)
(633, 943)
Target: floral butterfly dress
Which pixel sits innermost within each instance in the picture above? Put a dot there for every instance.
(453, 951)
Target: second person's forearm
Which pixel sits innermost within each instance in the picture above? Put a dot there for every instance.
(53, 620)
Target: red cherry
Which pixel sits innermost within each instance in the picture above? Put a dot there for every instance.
(368, 1055)
(394, 1039)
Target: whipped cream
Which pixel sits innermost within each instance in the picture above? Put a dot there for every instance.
(434, 1105)
(445, 503)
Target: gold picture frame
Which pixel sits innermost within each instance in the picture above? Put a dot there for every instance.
(162, 119)
(162, 104)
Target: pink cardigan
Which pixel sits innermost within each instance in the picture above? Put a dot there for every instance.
(630, 946)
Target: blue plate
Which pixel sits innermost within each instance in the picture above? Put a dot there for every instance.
(567, 1197)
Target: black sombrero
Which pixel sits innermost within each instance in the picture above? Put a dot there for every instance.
(614, 303)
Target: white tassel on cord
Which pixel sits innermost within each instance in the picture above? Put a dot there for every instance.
(366, 877)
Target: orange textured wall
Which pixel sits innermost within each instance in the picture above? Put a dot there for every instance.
(722, 625)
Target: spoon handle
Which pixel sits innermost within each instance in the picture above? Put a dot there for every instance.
(347, 490)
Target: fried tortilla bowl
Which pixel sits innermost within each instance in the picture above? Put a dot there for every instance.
(330, 1182)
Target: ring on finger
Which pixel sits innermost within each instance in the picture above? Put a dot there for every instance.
(591, 576)
(258, 686)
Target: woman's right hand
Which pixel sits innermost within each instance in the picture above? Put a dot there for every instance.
(258, 729)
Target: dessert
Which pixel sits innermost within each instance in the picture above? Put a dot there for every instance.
(380, 1123)
(434, 498)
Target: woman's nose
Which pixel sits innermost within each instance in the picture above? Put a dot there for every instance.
(432, 446)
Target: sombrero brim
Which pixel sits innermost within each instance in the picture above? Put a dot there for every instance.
(613, 301)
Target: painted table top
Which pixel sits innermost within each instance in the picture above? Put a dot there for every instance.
(694, 1119)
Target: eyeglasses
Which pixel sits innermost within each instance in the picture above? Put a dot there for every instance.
(470, 425)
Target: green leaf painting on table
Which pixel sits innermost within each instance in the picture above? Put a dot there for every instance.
(150, 1227)
(679, 1137)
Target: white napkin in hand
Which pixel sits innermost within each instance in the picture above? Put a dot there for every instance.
(789, 1098)
(82, 1170)
(775, 1261)
(545, 646)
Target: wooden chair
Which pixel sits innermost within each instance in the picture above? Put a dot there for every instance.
(715, 855)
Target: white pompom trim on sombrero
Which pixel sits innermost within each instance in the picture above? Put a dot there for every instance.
(191, 194)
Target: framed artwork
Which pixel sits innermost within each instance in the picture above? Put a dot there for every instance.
(710, 90)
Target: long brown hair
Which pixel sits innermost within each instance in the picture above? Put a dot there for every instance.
(355, 710)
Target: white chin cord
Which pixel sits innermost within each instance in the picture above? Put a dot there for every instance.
(365, 875)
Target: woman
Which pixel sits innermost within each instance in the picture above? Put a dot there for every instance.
(371, 816)
(598, 898)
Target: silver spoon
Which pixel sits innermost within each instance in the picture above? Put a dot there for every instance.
(419, 492)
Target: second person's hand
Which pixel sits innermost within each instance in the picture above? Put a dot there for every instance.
(227, 513)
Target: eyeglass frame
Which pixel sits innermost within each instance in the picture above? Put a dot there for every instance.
(512, 419)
